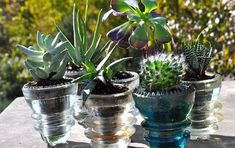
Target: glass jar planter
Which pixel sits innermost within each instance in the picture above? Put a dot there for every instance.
(205, 114)
(52, 110)
(166, 115)
(132, 82)
(79, 112)
(110, 120)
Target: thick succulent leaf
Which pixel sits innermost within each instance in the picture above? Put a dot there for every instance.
(35, 63)
(47, 57)
(139, 37)
(155, 14)
(47, 41)
(58, 48)
(161, 34)
(119, 32)
(40, 40)
(55, 65)
(159, 20)
(123, 5)
(149, 5)
(56, 40)
(29, 51)
(62, 68)
(34, 75)
(41, 73)
(107, 14)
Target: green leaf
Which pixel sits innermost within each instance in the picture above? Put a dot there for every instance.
(96, 35)
(58, 48)
(161, 34)
(85, 77)
(71, 50)
(123, 5)
(159, 20)
(118, 61)
(62, 68)
(29, 51)
(149, 5)
(89, 66)
(40, 41)
(76, 37)
(34, 75)
(42, 74)
(107, 73)
(102, 63)
(98, 54)
(139, 37)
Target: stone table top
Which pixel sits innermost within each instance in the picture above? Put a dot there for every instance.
(16, 127)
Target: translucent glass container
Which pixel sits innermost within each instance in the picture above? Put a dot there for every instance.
(130, 82)
(52, 110)
(205, 115)
(166, 115)
(79, 112)
(110, 120)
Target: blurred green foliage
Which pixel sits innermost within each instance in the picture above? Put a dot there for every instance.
(20, 19)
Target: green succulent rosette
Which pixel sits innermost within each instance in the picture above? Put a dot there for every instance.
(144, 28)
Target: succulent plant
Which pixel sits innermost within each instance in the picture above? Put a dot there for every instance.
(102, 73)
(161, 71)
(144, 28)
(48, 61)
(197, 58)
(83, 49)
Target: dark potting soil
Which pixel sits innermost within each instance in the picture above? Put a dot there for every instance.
(122, 75)
(193, 78)
(108, 89)
(44, 83)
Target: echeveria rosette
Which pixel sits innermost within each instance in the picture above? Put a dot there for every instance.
(143, 29)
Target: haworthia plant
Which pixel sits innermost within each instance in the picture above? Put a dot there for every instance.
(83, 49)
(144, 28)
(197, 57)
(161, 71)
(48, 61)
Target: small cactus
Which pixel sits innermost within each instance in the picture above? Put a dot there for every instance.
(48, 62)
(197, 58)
(161, 72)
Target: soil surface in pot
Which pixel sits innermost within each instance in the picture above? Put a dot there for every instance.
(122, 75)
(108, 89)
(48, 82)
(198, 78)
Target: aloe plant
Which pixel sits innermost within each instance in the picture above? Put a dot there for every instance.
(143, 29)
(48, 61)
(102, 73)
(82, 49)
(197, 57)
(161, 71)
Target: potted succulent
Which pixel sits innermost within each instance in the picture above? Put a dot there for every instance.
(80, 50)
(144, 28)
(50, 96)
(203, 116)
(164, 102)
(109, 106)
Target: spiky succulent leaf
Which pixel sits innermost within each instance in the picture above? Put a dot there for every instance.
(198, 57)
(161, 72)
(49, 61)
(123, 5)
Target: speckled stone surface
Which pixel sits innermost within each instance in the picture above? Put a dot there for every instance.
(16, 127)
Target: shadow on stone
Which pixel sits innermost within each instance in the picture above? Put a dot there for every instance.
(216, 141)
